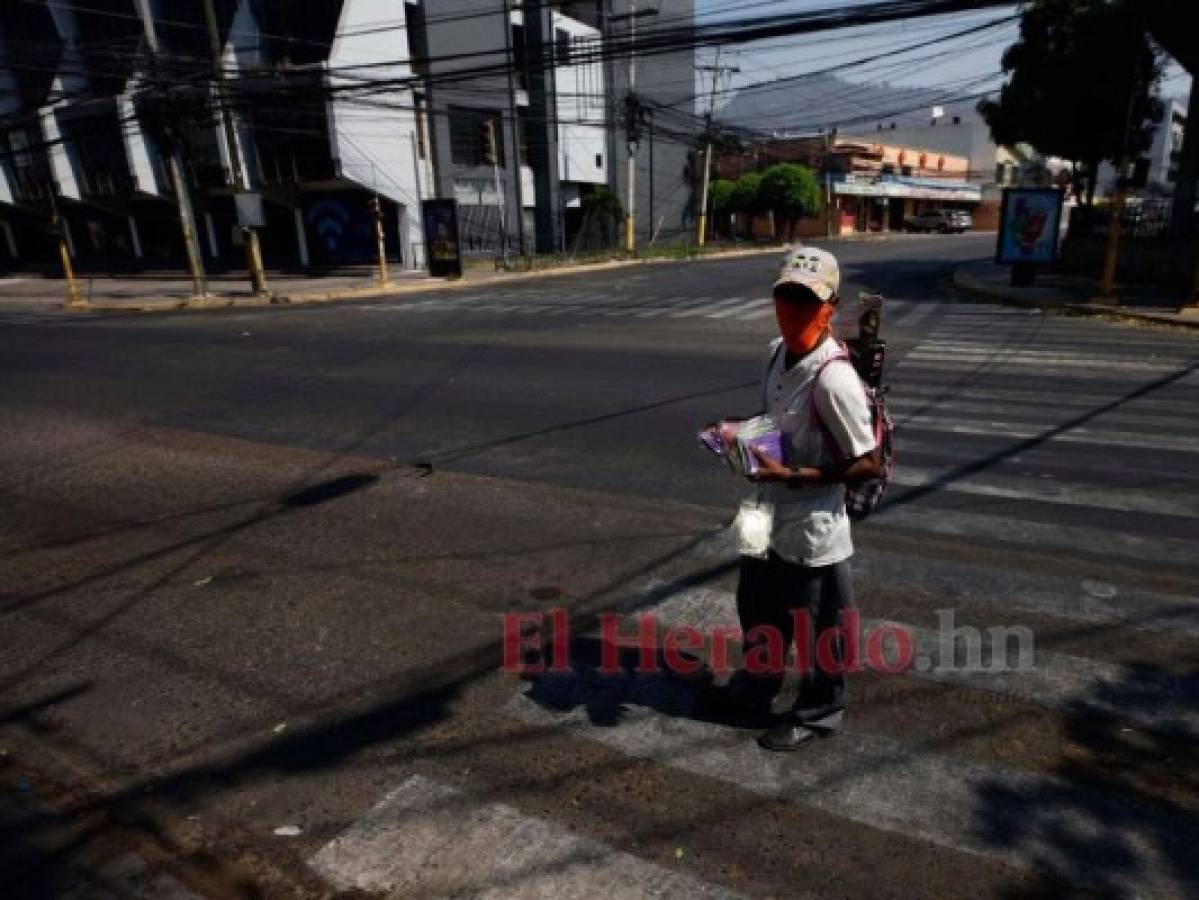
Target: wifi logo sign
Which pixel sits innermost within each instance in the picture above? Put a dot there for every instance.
(329, 221)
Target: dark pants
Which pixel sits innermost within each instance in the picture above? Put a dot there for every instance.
(768, 590)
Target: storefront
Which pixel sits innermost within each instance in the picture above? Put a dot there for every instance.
(884, 202)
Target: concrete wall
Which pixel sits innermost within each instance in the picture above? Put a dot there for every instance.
(376, 145)
(581, 92)
(668, 79)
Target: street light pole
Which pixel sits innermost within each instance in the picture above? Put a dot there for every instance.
(702, 225)
(630, 218)
(631, 138)
(187, 221)
(253, 250)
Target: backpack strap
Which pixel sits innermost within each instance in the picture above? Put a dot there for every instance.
(779, 344)
(829, 440)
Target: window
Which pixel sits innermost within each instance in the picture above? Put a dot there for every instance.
(468, 136)
(562, 47)
(957, 120)
(599, 160)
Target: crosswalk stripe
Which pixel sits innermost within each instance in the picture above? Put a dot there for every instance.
(1080, 539)
(704, 308)
(1091, 599)
(918, 313)
(742, 308)
(1052, 680)
(874, 781)
(1118, 499)
(761, 312)
(1001, 359)
(1079, 435)
(426, 838)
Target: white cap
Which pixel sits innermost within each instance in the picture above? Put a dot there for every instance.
(815, 269)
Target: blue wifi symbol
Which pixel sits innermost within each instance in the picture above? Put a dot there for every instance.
(328, 219)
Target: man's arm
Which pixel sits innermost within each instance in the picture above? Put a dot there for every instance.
(861, 468)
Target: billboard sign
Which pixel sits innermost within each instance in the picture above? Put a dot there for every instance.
(442, 238)
(1029, 222)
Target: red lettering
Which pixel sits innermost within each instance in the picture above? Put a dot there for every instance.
(684, 637)
(612, 642)
(721, 635)
(559, 640)
(766, 654)
(838, 648)
(516, 638)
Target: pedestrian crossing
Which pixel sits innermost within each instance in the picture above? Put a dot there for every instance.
(741, 308)
(1045, 490)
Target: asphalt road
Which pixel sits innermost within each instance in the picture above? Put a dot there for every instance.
(256, 561)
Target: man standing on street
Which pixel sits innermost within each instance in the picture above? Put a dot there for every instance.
(816, 396)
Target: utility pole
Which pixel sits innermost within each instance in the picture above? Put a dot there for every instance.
(253, 250)
(491, 155)
(1107, 282)
(716, 70)
(187, 221)
(631, 135)
(376, 207)
(58, 228)
(515, 120)
(630, 214)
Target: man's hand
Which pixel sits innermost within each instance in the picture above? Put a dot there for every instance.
(771, 469)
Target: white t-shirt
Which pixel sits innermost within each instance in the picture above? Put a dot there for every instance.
(811, 526)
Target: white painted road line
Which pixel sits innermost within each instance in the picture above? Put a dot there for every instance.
(1117, 499)
(1078, 435)
(1052, 680)
(742, 308)
(427, 839)
(1082, 599)
(1013, 816)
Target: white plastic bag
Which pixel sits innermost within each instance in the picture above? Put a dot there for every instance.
(754, 522)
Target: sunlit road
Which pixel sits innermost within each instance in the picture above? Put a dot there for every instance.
(255, 562)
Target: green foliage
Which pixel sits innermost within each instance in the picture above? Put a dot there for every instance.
(746, 194)
(1082, 82)
(790, 190)
(720, 195)
(603, 206)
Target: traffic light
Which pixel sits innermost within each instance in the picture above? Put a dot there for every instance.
(487, 141)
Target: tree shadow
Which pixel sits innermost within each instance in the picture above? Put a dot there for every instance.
(1119, 813)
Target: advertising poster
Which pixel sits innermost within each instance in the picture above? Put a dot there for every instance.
(441, 238)
(1028, 225)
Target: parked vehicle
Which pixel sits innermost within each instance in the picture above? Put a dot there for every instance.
(940, 220)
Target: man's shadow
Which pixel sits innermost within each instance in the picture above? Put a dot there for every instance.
(606, 679)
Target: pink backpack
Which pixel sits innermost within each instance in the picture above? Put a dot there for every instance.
(864, 497)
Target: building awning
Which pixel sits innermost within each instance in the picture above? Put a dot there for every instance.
(913, 188)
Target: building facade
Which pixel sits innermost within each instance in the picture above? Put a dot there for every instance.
(512, 109)
(867, 186)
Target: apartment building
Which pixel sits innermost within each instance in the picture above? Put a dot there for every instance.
(512, 109)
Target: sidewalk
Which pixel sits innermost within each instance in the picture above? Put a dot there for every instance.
(142, 293)
(1071, 295)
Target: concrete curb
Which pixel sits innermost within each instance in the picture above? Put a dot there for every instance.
(424, 285)
(395, 290)
(965, 281)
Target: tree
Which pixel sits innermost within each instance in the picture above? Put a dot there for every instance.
(720, 201)
(746, 195)
(1081, 84)
(791, 192)
(602, 209)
